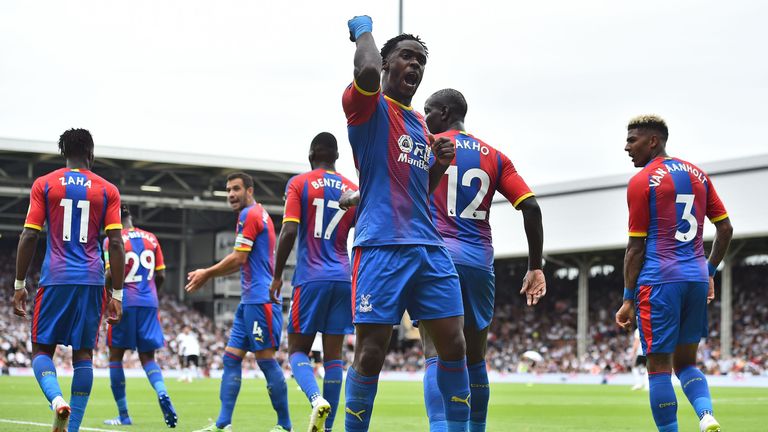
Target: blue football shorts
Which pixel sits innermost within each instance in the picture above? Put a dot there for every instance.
(671, 314)
(321, 306)
(257, 327)
(139, 330)
(387, 280)
(68, 315)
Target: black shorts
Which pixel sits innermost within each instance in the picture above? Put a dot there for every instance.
(640, 360)
(190, 360)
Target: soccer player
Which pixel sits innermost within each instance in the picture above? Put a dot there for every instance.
(667, 277)
(76, 204)
(258, 321)
(140, 329)
(189, 348)
(400, 261)
(322, 287)
(461, 206)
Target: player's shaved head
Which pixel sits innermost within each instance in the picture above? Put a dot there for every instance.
(76, 144)
(323, 148)
(444, 110)
(651, 122)
(453, 99)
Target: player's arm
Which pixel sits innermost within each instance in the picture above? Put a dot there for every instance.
(367, 57)
(24, 253)
(443, 150)
(116, 250)
(534, 283)
(230, 264)
(723, 233)
(634, 256)
(27, 244)
(159, 267)
(284, 246)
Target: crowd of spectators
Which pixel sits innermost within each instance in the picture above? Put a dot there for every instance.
(549, 328)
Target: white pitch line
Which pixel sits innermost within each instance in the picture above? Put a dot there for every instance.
(49, 425)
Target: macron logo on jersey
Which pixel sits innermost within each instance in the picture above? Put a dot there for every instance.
(416, 154)
(663, 170)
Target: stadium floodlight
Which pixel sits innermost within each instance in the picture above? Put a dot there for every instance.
(150, 188)
(220, 193)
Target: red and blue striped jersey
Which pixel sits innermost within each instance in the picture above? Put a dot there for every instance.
(255, 234)
(312, 201)
(392, 158)
(461, 204)
(668, 200)
(143, 257)
(76, 205)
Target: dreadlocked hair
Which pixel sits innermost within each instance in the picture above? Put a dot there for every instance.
(75, 143)
(390, 45)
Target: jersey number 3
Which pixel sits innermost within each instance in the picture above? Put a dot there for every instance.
(687, 200)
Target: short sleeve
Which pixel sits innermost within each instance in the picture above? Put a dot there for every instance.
(248, 227)
(112, 217)
(359, 105)
(715, 208)
(639, 209)
(511, 184)
(36, 213)
(159, 259)
(292, 202)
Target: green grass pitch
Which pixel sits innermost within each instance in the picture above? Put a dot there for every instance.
(399, 407)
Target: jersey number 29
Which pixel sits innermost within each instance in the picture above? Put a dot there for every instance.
(134, 260)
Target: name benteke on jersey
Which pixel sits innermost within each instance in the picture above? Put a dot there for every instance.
(329, 182)
(662, 171)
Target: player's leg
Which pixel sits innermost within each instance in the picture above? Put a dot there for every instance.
(433, 399)
(303, 322)
(371, 342)
(238, 345)
(380, 277)
(193, 363)
(693, 327)
(658, 317)
(149, 338)
(267, 330)
(45, 373)
(52, 322)
(117, 383)
(336, 324)
(84, 338)
(298, 347)
(451, 373)
(437, 303)
(334, 373)
(478, 288)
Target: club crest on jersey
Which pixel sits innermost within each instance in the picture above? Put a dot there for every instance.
(258, 333)
(365, 304)
(406, 143)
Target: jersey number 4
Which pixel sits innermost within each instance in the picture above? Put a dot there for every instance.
(319, 204)
(133, 260)
(471, 211)
(85, 213)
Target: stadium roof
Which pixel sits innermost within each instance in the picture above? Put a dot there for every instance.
(162, 184)
(590, 214)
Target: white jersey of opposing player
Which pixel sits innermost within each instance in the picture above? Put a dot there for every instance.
(188, 344)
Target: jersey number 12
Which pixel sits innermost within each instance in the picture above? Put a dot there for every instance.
(471, 211)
